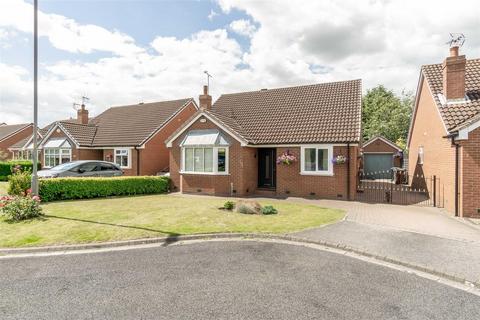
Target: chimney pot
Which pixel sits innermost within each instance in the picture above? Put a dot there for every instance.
(454, 51)
(205, 89)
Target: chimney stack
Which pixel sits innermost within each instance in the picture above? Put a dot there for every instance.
(205, 99)
(82, 115)
(454, 75)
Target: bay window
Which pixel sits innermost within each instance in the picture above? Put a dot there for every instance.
(56, 151)
(204, 152)
(205, 160)
(315, 160)
(54, 157)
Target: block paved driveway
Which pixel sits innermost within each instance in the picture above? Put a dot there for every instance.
(419, 235)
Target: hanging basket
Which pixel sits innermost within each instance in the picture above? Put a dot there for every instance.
(287, 158)
(339, 159)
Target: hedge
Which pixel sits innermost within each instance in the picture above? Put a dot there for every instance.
(86, 188)
(6, 167)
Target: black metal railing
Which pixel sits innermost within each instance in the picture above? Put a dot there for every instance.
(397, 186)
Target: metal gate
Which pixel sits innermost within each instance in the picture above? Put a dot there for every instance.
(398, 187)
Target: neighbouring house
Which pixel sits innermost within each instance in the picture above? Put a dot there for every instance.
(444, 137)
(298, 141)
(10, 135)
(380, 155)
(131, 136)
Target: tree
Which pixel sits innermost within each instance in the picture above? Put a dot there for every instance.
(386, 114)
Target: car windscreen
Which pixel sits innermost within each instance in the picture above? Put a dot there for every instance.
(65, 166)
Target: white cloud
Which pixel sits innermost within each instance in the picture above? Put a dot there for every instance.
(212, 15)
(66, 34)
(243, 27)
(291, 43)
(378, 41)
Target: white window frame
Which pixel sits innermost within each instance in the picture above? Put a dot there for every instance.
(215, 160)
(328, 172)
(129, 157)
(59, 155)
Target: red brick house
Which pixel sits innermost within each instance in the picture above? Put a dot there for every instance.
(233, 146)
(444, 137)
(132, 136)
(10, 135)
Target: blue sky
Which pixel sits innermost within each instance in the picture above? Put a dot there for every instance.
(121, 52)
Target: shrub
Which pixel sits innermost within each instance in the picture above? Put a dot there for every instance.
(18, 208)
(269, 210)
(85, 188)
(8, 167)
(229, 205)
(19, 183)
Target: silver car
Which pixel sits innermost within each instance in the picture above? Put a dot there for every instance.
(82, 169)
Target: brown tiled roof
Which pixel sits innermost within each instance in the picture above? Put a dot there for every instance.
(456, 114)
(320, 113)
(83, 134)
(8, 130)
(132, 125)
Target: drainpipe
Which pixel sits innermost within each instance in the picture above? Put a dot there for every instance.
(348, 170)
(457, 187)
(138, 161)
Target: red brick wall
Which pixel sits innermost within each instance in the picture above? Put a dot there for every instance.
(155, 157)
(379, 146)
(291, 183)
(89, 154)
(470, 172)
(439, 154)
(7, 143)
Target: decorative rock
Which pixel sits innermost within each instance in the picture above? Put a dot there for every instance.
(248, 207)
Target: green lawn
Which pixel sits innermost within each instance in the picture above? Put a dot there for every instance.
(3, 188)
(153, 216)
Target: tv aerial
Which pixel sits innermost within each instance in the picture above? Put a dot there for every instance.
(77, 106)
(457, 40)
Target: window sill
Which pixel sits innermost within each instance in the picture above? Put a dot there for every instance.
(313, 173)
(206, 173)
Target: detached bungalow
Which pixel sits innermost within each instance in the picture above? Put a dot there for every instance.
(10, 135)
(131, 136)
(298, 141)
(444, 138)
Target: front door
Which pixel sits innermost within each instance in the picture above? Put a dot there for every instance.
(267, 168)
